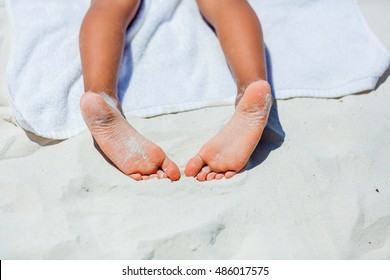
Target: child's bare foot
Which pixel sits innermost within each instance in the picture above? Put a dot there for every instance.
(131, 152)
(228, 152)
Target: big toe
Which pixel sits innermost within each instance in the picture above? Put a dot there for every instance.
(194, 166)
(171, 169)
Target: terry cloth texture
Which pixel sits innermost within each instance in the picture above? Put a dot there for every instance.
(173, 62)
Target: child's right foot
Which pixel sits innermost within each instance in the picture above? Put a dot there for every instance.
(228, 152)
(131, 152)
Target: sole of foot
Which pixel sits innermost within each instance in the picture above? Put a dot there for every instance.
(228, 152)
(121, 143)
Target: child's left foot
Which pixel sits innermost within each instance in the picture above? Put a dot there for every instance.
(228, 152)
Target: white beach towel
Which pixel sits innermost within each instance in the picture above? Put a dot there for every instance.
(173, 61)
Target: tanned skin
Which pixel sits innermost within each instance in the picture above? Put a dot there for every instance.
(102, 40)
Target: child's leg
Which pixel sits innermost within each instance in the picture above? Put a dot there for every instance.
(102, 37)
(240, 35)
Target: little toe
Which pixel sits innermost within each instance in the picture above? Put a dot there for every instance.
(194, 166)
(137, 176)
(230, 174)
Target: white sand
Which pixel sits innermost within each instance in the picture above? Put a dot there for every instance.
(323, 194)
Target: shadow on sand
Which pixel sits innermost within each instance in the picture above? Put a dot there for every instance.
(383, 78)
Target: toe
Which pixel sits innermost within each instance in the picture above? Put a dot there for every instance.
(145, 177)
(137, 176)
(161, 174)
(219, 176)
(153, 176)
(202, 176)
(193, 166)
(211, 176)
(230, 174)
(170, 169)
